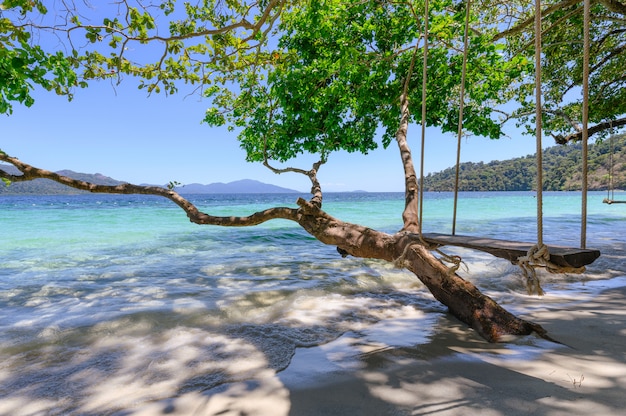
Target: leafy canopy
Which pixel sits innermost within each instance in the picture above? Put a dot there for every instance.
(292, 77)
(562, 60)
(318, 76)
(337, 72)
(25, 64)
(163, 43)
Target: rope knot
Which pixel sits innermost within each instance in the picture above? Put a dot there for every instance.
(540, 253)
(537, 256)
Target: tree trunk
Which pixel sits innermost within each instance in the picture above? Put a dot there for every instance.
(462, 298)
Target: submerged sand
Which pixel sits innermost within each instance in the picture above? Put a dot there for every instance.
(456, 373)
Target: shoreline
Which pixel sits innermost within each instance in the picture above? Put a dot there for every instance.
(457, 373)
(440, 368)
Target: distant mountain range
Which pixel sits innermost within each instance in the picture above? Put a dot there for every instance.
(243, 186)
(49, 187)
(562, 171)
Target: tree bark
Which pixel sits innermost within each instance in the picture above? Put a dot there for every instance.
(410, 215)
(462, 298)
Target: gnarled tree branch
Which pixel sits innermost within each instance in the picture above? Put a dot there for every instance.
(316, 187)
(195, 215)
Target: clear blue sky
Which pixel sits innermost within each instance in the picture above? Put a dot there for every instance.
(120, 132)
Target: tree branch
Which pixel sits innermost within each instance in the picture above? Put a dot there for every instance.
(521, 26)
(611, 54)
(241, 24)
(615, 6)
(574, 137)
(316, 188)
(196, 216)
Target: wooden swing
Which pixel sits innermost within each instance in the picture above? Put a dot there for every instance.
(528, 255)
(610, 197)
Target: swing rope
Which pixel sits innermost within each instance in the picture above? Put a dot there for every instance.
(539, 255)
(610, 190)
(610, 195)
(585, 135)
(461, 108)
(538, 122)
(424, 84)
(454, 260)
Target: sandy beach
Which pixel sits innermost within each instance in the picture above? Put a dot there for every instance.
(457, 373)
(461, 375)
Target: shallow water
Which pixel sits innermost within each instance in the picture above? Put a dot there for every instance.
(103, 294)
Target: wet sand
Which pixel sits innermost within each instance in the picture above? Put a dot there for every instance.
(456, 373)
(450, 372)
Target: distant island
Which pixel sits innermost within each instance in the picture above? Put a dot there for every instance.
(562, 172)
(48, 187)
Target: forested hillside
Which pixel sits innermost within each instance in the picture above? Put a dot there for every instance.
(562, 170)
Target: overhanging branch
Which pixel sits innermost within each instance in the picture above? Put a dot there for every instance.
(574, 137)
(523, 25)
(195, 215)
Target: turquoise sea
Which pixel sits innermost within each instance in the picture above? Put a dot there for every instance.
(117, 304)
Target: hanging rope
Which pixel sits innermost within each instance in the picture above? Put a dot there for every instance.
(456, 261)
(461, 108)
(538, 122)
(401, 260)
(424, 84)
(538, 255)
(610, 195)
(585, 135)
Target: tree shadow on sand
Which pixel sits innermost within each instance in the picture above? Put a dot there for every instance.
(457, 373)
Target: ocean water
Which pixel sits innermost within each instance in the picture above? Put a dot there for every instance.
(117, 304)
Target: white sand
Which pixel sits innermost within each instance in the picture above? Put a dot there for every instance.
(456, 373)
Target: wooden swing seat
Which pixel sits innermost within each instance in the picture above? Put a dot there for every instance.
(613, 201)
(512, 250)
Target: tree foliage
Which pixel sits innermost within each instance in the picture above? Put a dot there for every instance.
(339, 69)
(322, 75)
(24, 63)
(165, 44)
(562, 63)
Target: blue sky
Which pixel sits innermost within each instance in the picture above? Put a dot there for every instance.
(120, 132)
